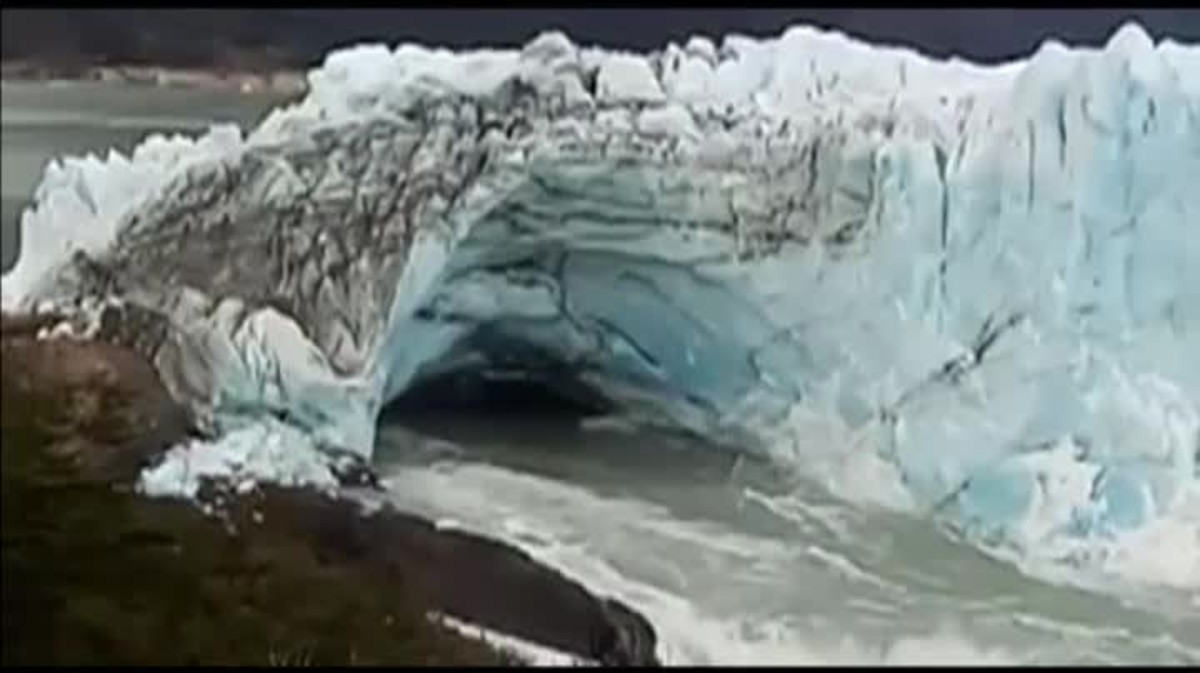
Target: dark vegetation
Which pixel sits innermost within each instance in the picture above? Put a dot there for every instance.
(95, 574)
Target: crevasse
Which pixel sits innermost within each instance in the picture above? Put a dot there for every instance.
(985, 278)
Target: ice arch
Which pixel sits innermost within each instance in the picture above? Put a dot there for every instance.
(988, 275)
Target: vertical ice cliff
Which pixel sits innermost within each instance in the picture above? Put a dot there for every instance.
(987, 278)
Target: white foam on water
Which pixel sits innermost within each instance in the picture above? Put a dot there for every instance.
(530, 513)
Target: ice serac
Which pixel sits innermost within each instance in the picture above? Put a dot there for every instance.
(986, 279)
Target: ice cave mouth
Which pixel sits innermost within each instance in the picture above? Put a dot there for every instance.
(480, 405)
(565, 298)
(537, 313)
(558, 334)
(486, 393)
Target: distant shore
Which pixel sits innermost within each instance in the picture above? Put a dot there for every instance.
(245, 81)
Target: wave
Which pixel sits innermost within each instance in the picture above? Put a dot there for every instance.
(976, 286)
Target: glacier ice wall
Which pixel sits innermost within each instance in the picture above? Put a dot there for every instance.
(987, 278)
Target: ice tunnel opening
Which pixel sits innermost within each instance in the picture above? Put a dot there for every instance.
(516, 363)
(485, 392)
(557, 336)
(502, 389)
(478, 405)
(578, 295)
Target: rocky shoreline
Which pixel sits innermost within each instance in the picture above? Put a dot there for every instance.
(276, 574)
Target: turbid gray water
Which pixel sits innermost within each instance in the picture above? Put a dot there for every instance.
(733, 560)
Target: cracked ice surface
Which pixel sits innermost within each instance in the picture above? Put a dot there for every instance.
(982, 284)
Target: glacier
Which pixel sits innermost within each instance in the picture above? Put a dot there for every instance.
(977, 282)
